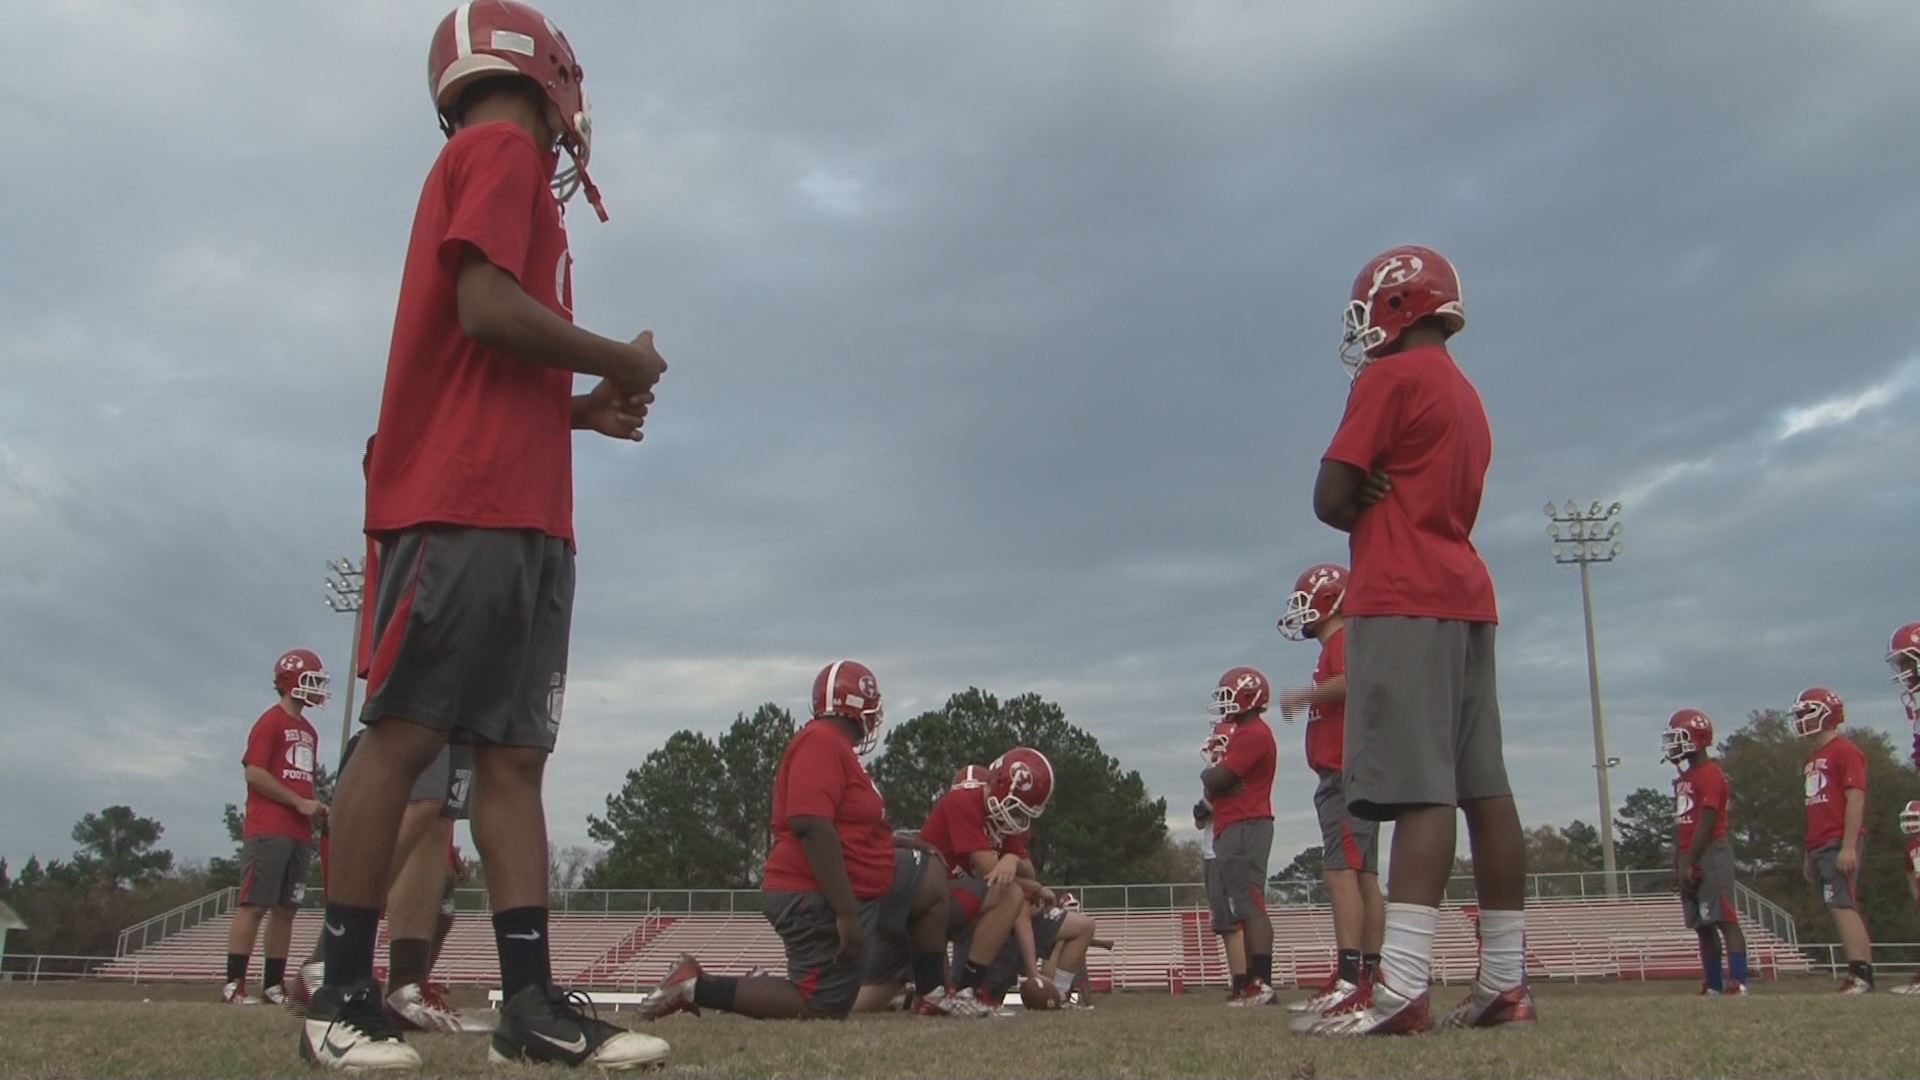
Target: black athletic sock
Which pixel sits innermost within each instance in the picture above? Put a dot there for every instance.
(1349, 970)
(1862, 970)
(407, 960)
(715, 992)
(348, 938)
(1239, 983)
(1260, 966)
(521, 936)
(1370, 965)
(929, 972)
(975, 976)
(276, 972)
(237, 966)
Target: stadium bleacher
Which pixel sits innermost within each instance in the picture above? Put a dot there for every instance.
(1637, 937)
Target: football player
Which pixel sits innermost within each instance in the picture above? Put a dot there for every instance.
(1349, 845)
(1048, 927)
(1910, 828)
(1903, 656)
(277, 836)
(981, 833)
(1403, 476)
(1219, 911)
(470, 497)
(1703, 856)
(1240, 789)
(1835, 778)
(840, 887)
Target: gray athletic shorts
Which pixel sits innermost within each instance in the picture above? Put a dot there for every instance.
(806, 926)
(273, 871)
(470, 633)
(1710, 903)
(889, 955)
(448, 781)
(1241, 850)
(1423, 715)
(1838, 891)
(965, 895)
(1219, 911)
(1346, 842)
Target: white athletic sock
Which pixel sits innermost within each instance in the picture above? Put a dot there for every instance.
(1503, 949)
(1063, 979)
(1406, 956)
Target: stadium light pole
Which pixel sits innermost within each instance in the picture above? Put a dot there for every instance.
(345, 592)
(1591, 536)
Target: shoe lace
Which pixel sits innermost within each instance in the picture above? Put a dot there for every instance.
(577, 1007)
(362, 1012)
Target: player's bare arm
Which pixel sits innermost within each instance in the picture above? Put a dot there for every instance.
(1341, 491)
(1331, 692)
(820, 841)
(1848, 860)
(497, 313)
(1218, 780)
(266, 784)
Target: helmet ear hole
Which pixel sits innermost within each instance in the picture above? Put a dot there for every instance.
(1394, 302)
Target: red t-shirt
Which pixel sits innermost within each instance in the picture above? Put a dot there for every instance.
(286, 747)
(1416, 416)
(958, 828)
(1327, 721)
(1830, 772)
(1251, 756)
(820, 776)
(469, 435)
(1704, 785)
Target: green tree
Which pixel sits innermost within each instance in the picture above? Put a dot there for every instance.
(1307, 867)
(1767, 820)
(117, 848)
(1583, 843)
(1643, 831)
(659, 827)
(750, 753)
(1100, 826)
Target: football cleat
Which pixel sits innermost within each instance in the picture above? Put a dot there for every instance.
(1376, 1010)
(1708, 991)
(1853, 986)
(1912, 987)
(1736, 989)
(1078, 1000)
(274, 995)
(941, 1002)
(346, 1029)
(424, 1008)
(1486, 1007)
(1254, 993)
(235, 993)
(549, 1024)
(675, 992)
(1304, 1013)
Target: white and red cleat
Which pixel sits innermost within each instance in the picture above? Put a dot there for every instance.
(424, 1009)
(1486, 1007)
(1854, 987)
(1375, 1010)
(1736, 989)
(1255, 992)
(942, 1002)
(235, 993)
(1912, 987)
(1304, 1013)
(274, 995)
(675, 992)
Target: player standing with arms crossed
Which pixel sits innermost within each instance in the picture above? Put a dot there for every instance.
(1703, 856)
(1350, 845)
(1835, 778)
(1240, 787)
(1403, 475)
(470, 498)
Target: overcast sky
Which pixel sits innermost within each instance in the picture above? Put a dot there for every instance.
(1003, 352)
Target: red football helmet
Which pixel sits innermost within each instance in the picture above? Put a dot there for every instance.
(1688, 732)
(1910, 818)
(1397, 288)
(1903, 656)
(299, 675)
(969, 776)
(1316, 598)
(1816, 710)
(502, 37)
(847, 688)
(1215, 748)
(1019, 783)
(1242, 691)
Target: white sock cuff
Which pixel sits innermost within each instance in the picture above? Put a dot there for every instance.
(1496, 923)
(1414, 916)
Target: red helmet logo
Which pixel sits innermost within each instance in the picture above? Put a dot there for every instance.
(1688, 732)
(1019, 783)
(299, 675)
(1396, 289)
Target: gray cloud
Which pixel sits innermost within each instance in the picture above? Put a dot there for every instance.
(1002, 355)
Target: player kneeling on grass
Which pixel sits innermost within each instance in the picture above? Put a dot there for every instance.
(1240, 789)
(1219, 911)
(1403, 475)
(1349, 845)
(1835, 782)
(981, 831)
(1703, 856)
(1048, 928)
(835, 887)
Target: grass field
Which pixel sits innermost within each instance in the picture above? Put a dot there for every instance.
(1797, 1029)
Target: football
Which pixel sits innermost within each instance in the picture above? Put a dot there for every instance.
(1039, 994)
